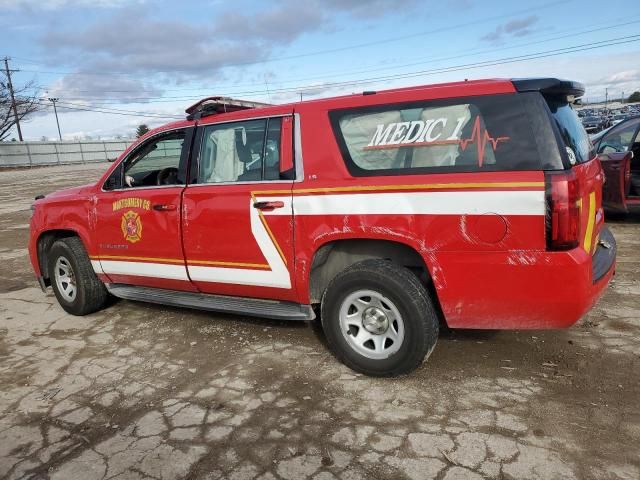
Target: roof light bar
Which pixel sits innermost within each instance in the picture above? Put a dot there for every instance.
(216, 105)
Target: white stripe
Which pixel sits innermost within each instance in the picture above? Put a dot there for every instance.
(527, 202)
(238, 276)
(96, 266)
(141, 269)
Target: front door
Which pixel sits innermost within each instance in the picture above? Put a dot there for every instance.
(138, 227)
(237, 215)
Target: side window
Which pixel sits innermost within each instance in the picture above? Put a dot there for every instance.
(619, 139)
(241, 151)
(155, 162)
(465, 134)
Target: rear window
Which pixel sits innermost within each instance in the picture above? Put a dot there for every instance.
(470, 134)
(576, 140)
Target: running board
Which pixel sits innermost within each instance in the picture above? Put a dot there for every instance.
(216, 303)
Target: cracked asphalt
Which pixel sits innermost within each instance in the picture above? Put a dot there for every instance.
(148, 392)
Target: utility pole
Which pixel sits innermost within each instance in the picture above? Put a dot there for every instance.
(55, 110)
(13, 99)
(606, 99)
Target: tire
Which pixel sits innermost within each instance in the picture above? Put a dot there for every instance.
(379, 293)
(71, 261)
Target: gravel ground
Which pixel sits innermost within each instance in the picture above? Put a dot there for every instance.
(146, 392)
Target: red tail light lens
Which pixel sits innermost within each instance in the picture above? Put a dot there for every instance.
(563, 210)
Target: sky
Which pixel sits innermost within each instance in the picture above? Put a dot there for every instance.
(114, 64)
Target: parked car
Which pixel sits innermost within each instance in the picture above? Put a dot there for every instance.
(594, 124)
(474, 203)
(618, 118)
(619, 151)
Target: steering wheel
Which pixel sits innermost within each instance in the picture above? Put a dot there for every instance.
(167, 176)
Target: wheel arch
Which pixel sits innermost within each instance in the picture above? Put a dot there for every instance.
(334, 256)
(45, 240)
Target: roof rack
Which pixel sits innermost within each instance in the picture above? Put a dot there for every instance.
(215, 105)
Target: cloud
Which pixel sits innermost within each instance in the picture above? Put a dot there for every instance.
(133, 41)
(519, 27)
(370, 8)
(58, 4)
(284, 22)
(128, 44)
(97, 87)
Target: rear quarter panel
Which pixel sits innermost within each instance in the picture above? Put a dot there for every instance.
(456, 221)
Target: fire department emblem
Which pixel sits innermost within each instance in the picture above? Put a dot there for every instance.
(131, 226)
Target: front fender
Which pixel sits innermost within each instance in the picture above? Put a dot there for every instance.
(61, 217)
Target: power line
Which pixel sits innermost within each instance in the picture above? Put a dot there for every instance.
(95, 110)
(343, 72)
(332, 50)
(120, 110)
(166, 98)
(454, 68)
(495, 62)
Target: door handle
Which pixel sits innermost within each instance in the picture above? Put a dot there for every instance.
(268, 205)
(164, 207)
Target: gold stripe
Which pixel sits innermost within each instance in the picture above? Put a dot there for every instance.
(144, 259)
(427, 186)
(195, 263)
(591, 220)
(180, 261)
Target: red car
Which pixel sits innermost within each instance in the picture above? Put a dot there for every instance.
(475, 203)
(618, 149)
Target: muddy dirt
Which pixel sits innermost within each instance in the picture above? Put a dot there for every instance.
(146, 392)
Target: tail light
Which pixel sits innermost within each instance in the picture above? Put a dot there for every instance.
(563, 210)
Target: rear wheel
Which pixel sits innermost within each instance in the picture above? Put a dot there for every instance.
(77, 288)
(379, 319)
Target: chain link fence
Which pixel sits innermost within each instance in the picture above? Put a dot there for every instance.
(32, 154)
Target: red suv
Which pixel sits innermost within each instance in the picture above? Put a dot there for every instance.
(474, 203)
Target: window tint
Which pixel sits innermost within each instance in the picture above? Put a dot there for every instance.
(578, 146)
(619, 138)
(155, 162)
(466, 134)
(241, 152)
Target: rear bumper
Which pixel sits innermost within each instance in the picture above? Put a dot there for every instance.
(523, 290)
(604, 259)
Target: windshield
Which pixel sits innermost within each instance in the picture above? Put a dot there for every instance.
(591, 119)
(578, 146)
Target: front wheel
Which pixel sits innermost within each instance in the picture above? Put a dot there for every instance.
(77, 288)
(379, 319)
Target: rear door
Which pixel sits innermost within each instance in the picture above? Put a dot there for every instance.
(619, 152)
(617, 173)
(237, 211)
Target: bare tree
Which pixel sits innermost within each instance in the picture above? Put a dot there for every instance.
(26, 104)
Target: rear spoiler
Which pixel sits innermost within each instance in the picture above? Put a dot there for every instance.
(215, 105)
(549, 86)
